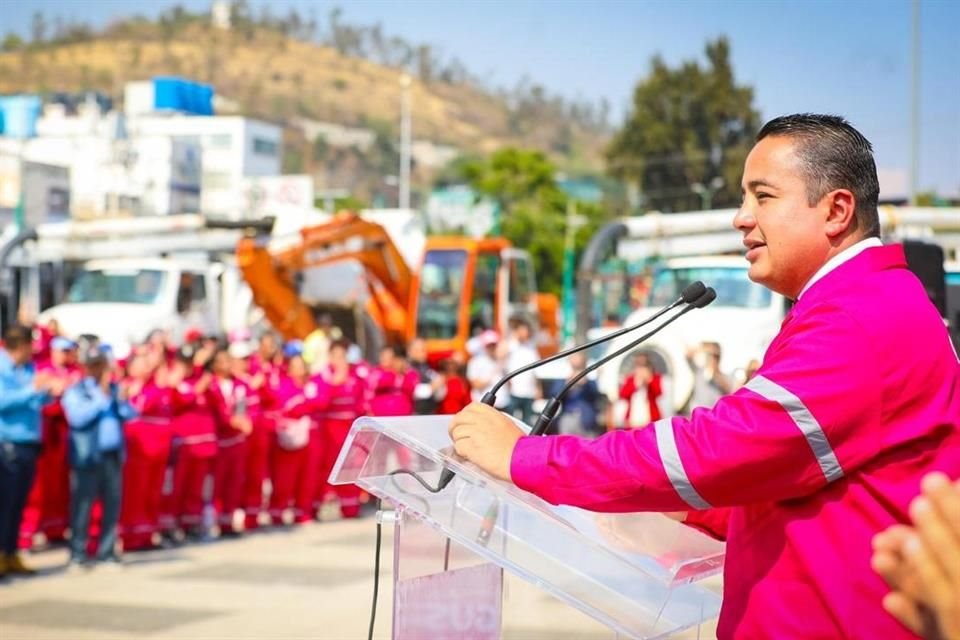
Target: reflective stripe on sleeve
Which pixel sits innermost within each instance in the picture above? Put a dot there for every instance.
(804, 420)
(667, 445)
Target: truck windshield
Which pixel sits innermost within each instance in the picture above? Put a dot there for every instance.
(136, 286)
(734, 288)
(441, 289)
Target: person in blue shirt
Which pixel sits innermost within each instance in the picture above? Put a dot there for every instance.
(579, 412)
(96, 409)
(22, 394)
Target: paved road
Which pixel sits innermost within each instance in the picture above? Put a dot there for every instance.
(312, 582)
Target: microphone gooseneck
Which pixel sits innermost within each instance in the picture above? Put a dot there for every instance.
(553, 406)
(691, 295)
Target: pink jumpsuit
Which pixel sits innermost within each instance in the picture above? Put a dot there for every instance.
(195, 442)
(346, 403)
(48, 505)
(824, 448)
(148, 438)
(390, 393)
(291, 468)
(230, 397)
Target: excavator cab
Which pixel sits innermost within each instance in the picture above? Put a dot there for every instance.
(466, 286)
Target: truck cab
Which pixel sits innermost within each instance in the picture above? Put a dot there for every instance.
(744, 320)
(123, 300)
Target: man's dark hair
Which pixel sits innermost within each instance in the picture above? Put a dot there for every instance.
(520, 320)
(834, 156)
(16, 336)
(339, 343)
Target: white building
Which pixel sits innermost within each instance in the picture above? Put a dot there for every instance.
(232, 148)
(43, 189)
(157, 157)
(114, 175)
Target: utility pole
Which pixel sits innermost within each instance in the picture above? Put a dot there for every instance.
(405, 126)
(573, 223)
(915, 108)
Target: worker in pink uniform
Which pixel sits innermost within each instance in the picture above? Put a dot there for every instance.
(343, 398)
(230, 399)
(857, 398)
(267, 359)
(195, 442)
(295, 424)
(391, 385)
(50, 496)
(148, 439)
(257, 461)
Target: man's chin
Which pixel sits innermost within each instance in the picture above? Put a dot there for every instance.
(757, 274)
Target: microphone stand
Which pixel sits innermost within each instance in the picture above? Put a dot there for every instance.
(550, 411)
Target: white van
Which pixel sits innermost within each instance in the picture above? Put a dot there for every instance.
(744, 320)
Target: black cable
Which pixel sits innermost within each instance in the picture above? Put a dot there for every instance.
(415, 476)
(376, 573)
(376, 561)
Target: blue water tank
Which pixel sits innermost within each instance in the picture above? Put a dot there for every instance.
(19, 115)
(185, 96)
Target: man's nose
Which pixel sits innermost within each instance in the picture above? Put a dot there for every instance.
(744, 220)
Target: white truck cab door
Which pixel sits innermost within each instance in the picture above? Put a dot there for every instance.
(517, 287)
(193, 304)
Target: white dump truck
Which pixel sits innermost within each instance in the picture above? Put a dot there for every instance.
(123, 300)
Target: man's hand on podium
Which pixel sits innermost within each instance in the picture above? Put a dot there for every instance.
(485, 437)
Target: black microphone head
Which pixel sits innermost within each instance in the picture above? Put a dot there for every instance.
(693, 291)
(708, 296)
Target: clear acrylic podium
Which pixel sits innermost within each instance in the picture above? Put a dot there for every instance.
(637, 574)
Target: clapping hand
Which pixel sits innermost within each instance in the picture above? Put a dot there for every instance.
(922, 563)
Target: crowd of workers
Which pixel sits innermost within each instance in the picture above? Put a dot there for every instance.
(196, 434)
(222, 435)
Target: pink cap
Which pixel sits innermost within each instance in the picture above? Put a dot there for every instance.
(489, 337)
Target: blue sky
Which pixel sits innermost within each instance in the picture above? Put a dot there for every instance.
(850, 58)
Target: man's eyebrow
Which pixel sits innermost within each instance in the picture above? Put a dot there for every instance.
(753, 184)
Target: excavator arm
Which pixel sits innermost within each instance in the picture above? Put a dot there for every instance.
(271, 274)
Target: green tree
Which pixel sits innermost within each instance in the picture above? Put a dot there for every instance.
(688, 125)
(533, 208)
(11, 42)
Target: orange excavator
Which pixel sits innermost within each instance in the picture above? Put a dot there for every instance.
(463, 285)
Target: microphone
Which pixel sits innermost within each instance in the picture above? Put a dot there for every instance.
(550, 411)
(690, 293)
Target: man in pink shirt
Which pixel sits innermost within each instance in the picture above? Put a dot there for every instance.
(857, 398)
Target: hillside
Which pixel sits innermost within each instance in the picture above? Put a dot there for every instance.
(279, 78)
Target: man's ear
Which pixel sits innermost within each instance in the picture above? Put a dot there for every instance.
(841, 212)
